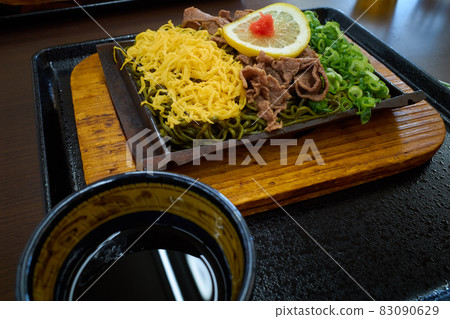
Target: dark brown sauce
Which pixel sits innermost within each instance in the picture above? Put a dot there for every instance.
(149, 271)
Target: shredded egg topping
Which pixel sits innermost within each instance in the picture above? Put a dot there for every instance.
(189, 73)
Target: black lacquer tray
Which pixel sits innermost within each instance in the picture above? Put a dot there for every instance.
(15, 14)
(392, 235)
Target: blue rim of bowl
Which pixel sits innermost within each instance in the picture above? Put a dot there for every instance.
(41, 232)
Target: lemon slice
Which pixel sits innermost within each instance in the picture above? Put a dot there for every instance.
(289, 37)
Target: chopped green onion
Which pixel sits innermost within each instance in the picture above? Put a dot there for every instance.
(350, 74)
(345, 104)
(445, 84)
(365, 115)
(355, 93)
(374, 86)
(356, 67)
(372, 75)
(366, 101)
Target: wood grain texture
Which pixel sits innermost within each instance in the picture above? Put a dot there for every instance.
(393, 141)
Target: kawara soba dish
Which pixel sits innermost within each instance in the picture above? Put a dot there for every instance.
(226, 76)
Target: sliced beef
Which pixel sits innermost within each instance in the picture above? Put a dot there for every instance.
(308, 82)
(303, 76)
(260, 85)
(225, 14)
(269, 95)
(219, 40)
(266, 62)
(287, 68)
(266, 113)
(241, 13)
(308, 53)
(195, 18)
(263, 59)
(246, 60)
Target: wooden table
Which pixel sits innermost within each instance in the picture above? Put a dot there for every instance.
(418, 30)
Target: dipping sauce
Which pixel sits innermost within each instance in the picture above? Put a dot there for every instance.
(163, 263)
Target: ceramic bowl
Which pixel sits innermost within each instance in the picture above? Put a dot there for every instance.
(140, 236)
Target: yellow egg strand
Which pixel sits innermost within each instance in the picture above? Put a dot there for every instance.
(189, 73)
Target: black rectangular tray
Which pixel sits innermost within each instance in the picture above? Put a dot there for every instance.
(12, 14)
(290, 267)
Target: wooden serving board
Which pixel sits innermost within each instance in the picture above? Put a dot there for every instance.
(393, 141)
